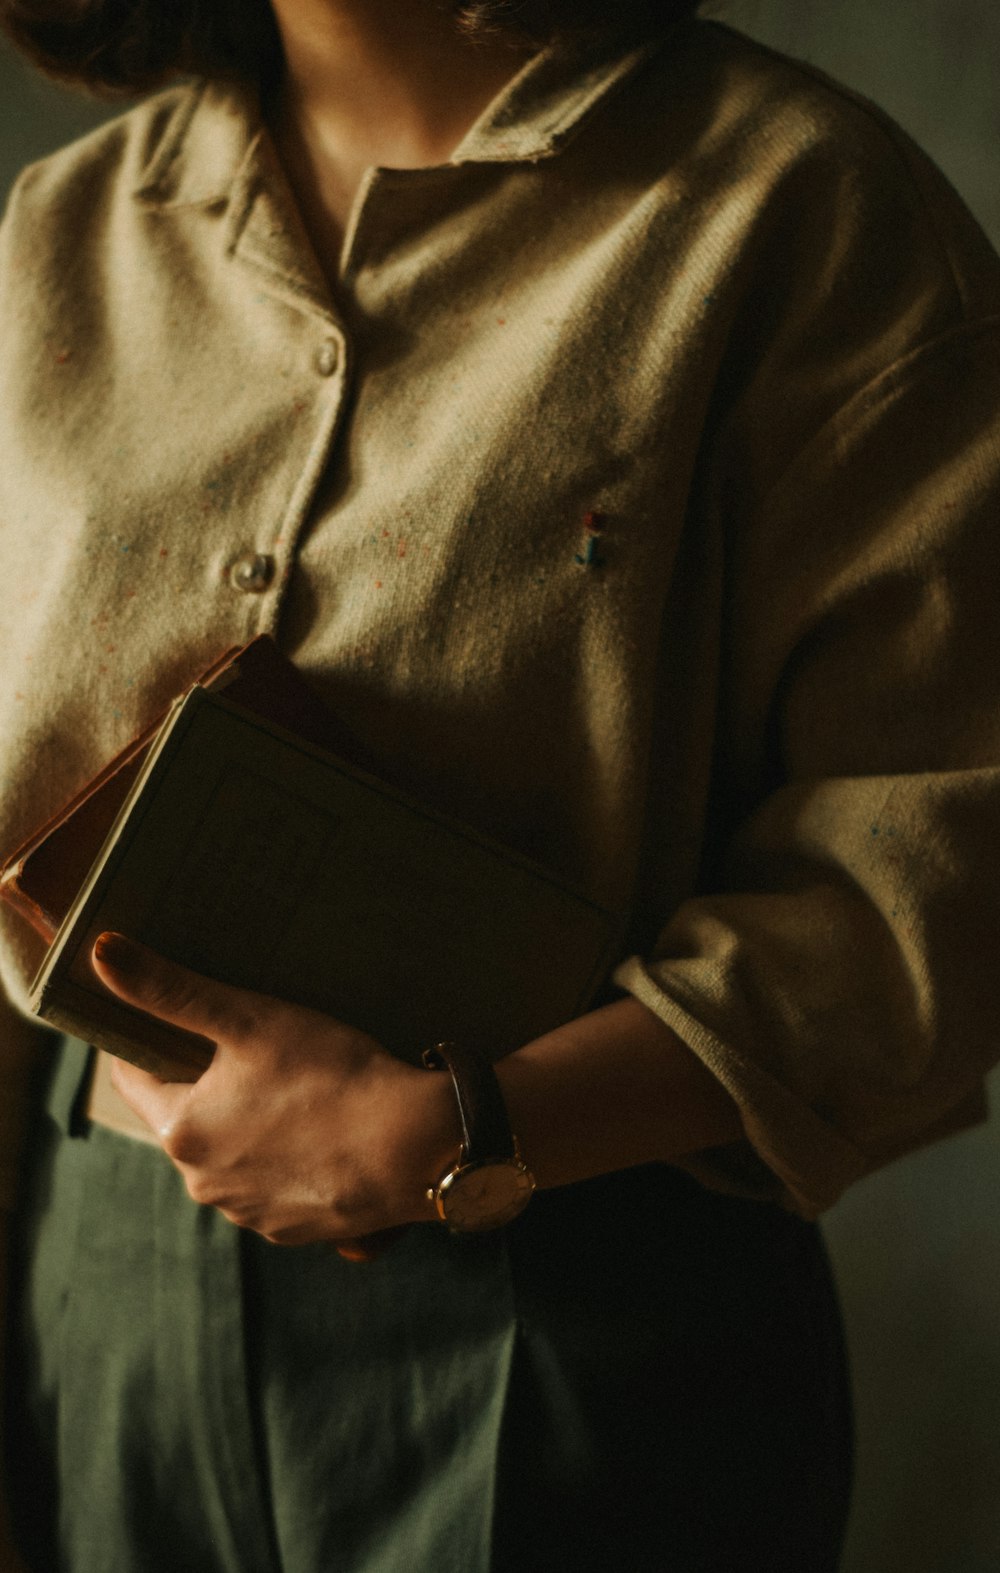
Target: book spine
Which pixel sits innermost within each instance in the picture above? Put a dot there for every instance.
(164, 1051)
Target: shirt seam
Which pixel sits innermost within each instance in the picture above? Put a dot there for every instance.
(894, 137)
(968, 330)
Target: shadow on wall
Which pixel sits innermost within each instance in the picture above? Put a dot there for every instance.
(917, 1252)
(917, 1248)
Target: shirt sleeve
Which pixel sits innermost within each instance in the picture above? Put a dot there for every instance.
(838, 974)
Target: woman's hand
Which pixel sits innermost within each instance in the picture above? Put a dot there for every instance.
(305, 1129)
(302, 1128)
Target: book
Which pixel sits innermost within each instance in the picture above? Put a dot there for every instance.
(42, 876)
(247, 852)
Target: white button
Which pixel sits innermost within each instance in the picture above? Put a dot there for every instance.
(328, 358)
(252, 572)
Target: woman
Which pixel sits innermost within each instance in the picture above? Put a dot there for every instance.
(602, 412)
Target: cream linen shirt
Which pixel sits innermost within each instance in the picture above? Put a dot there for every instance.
(632, 493)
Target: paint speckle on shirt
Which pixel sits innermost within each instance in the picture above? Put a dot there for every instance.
(593, 529)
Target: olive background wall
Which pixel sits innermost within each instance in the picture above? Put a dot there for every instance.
(917, 1248)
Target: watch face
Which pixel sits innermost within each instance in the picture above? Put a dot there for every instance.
(485, 1195)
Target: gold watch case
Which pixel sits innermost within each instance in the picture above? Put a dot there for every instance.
(484, 1194)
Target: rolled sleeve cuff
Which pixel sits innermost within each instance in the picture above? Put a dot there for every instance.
(794, 1157)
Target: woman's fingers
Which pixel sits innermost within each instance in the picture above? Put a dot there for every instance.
(368, 1247)
(174, 993)
(185, 999)
(159, 1103)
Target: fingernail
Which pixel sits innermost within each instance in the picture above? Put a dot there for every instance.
(118, 953)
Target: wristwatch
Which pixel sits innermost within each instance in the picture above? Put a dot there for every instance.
(490, 1184)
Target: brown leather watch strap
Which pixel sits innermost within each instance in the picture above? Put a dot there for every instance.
(486, 1132)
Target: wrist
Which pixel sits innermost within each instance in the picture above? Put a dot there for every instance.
(488, 1185)
(428, 1139)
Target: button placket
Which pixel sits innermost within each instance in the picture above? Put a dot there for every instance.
(253, 572)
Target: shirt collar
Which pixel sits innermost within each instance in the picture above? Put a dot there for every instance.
(215, 135)
(549, 101)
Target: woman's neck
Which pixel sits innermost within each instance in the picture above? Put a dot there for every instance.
(374, 82)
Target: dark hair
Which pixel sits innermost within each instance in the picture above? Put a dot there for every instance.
(129, 45)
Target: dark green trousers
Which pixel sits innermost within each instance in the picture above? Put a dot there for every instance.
(638, 1377)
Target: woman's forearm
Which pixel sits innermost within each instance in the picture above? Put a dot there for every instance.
(610, 1090)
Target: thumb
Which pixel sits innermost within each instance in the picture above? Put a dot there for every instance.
(173, 993)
